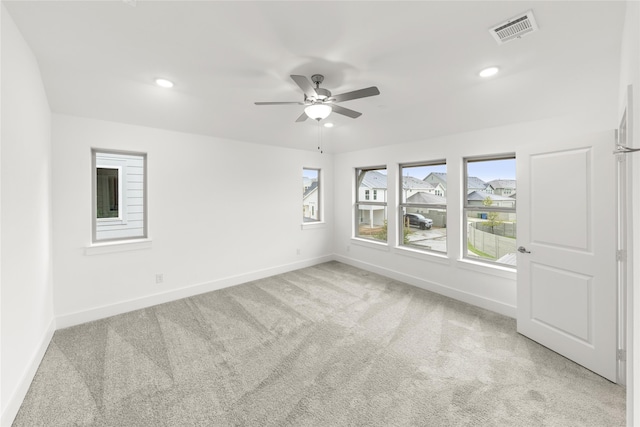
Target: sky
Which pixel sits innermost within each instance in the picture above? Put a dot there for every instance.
(310, 173)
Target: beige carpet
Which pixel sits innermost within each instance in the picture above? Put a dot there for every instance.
(329, 345)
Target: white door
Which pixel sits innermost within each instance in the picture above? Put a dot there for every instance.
(567, 264)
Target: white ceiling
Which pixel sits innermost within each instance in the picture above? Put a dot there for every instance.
(99, 59)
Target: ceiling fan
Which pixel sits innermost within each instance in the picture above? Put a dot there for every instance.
(319, 101)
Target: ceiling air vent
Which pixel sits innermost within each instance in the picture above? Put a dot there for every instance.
(515, 27)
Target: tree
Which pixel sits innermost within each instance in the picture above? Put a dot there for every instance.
(493, 218)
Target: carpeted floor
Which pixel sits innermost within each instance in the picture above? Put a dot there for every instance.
(329, 345)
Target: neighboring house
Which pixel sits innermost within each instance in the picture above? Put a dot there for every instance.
(477, 198)
(473, 183)
(503, 187)
(411, 186)
(436, 178)
(306, 183)
(373, 188)
(310, 203)
(427, 199)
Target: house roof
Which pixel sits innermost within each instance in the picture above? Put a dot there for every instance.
(427, 198)
(502, 183)
(440, 176)
(223, 56)
(411, 183)
(481, 195)
(473, 182)
(312, 187)
(374, 179)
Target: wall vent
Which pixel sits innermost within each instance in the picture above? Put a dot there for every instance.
(514, 28)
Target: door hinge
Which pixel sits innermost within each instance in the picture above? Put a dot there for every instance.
(621, 255)
(622, 355)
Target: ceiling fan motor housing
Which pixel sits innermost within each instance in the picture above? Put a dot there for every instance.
(322, 94)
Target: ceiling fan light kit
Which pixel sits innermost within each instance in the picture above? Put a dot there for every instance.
(319, 101)
(318, 111)
(164, 83)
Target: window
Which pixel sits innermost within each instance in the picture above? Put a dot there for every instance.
(490, 217)
(119, 199)
(371, 216)
(423, 208)
(310, 195)
(108, 180)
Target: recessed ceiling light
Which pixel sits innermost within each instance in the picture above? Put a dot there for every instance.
(328, 125)
(164, 83)
(488, 72)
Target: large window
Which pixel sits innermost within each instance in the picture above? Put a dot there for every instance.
(310, 195)
(371, 212)
(119, 199)
(490, 209)
(423, 206)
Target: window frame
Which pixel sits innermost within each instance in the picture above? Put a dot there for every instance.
(466, 208)
(403, 204)
(368, 202)
(122, 217)
(319, 206)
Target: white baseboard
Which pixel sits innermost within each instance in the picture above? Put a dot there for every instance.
(477, 300)
(72, 319)
(15, 400)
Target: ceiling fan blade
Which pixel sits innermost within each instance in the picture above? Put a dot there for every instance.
(345, 111)
(278, 103)
(362, 93)
(302, 117)
(305, 85)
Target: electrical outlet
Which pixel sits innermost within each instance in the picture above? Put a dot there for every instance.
(348, 248)
(159, 278)
(298, 251)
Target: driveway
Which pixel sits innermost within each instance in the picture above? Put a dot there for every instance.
(434, 239)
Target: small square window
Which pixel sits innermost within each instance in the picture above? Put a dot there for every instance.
(119, 195)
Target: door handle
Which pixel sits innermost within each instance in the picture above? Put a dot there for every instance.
(523, 250)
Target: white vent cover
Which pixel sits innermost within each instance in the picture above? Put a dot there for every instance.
(515, 27)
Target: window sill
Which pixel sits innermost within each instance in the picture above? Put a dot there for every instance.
(312, 225)
(119, 246)
(423, 255)
(493, 270)
(381, 246)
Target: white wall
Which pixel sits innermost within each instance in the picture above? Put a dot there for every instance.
(630, 74)
(27, 305)
(491, 288)
(220, 212)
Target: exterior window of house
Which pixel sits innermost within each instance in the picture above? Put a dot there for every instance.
(310, 195)
(423, 208)
(490, 218)
(371, 215)
(119, 195)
